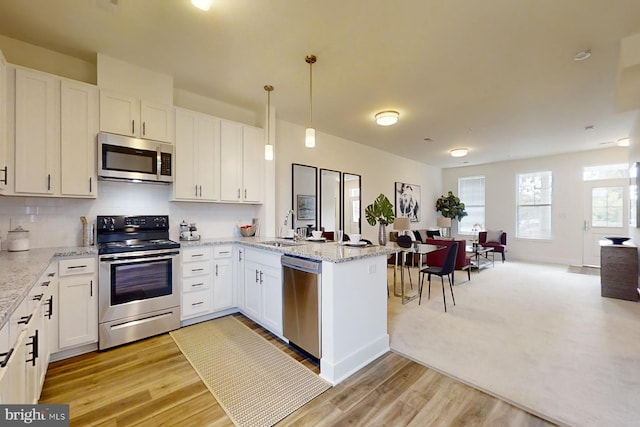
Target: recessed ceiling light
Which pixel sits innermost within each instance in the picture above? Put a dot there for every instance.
(387, 118)
(459, 152)
(202, 4)
(582, 55)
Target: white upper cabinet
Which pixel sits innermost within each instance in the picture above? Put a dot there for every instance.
(197, 157)
(230, 161)
(252, 164)
(242, 163)
(78, 128)
(127, 115)
(53, 141)
(37, 132)
(4, 167)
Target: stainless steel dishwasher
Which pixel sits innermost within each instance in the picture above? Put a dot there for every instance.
(301, 309)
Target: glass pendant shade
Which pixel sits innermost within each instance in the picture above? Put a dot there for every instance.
(268, 152)
(310, 138)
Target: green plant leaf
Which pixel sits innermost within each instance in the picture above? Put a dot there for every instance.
(380, 211)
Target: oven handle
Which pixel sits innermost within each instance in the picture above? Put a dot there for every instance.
(139, 257)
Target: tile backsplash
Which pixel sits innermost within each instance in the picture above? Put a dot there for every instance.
(54, 222)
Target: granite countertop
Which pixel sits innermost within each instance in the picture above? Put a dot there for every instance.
(321, 251)
(21, 270)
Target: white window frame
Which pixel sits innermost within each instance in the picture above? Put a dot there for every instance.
(468, 226)
(545, 206)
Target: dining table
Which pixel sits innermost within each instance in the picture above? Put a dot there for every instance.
(415, 248)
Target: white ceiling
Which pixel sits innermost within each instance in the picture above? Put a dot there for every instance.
(495, 76)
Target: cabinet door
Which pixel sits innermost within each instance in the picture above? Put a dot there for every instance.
(4, 167)
(252, 291)
(207, 160)
(78, 128)
(119, 113)
(230, 161)
(185, 185)
(223, 284)
(37, 133)
(157, 121)
(16, 370)
(78, 310)
(238, 276)
(272, 299)
(252, 164)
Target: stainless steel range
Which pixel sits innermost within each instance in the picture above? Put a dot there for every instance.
(138, 278)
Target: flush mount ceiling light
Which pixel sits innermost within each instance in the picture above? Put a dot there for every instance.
(310, 132)
(459, 152)
(202, 4)
(623, 142)
(268, 149)
(582, 55)
(387, 118)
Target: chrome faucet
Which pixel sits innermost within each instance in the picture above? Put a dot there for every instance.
(286, 217)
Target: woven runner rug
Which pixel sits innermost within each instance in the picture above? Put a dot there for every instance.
(255, 383)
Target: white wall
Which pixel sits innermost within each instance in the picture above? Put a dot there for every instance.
(634, 156)
(379, 171)
(568, 200)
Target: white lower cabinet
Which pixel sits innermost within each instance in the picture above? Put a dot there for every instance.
(196, 282)
(25, 343)
(78, 302)
(238, 275)
(263, 289)
(222, 277)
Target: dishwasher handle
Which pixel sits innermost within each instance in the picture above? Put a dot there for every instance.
(303, 264)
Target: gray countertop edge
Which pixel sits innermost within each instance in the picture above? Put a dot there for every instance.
(320, 251)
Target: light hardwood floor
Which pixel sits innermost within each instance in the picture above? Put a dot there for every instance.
(150, 383)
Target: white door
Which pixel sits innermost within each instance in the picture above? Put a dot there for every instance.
(606, 213)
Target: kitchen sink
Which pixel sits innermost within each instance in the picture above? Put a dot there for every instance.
(279, 243)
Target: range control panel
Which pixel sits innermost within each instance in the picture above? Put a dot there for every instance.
(123, 223)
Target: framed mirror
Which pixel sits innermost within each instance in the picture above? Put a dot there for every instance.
(330, 200)
(304, 184)
(351, 196)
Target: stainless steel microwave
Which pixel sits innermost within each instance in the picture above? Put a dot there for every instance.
(133, 159)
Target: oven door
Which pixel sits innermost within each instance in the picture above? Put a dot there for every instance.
(134, 283)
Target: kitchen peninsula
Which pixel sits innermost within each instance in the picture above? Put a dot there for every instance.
(353, 293)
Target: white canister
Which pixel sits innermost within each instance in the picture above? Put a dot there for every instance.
(18, 240)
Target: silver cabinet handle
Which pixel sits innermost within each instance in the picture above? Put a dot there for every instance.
(238, 194)
(48, 182)
(91, 288)
(245, 193)
(261, 278)
(90, 185)
(133, 127)
(196, 191)
(197, 284)
(6, 175)
(257, 273)
(144, 128)
(216, 270)
(197, 303)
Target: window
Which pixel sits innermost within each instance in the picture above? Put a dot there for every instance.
(593, 173)
(534, 205)
(471, 193)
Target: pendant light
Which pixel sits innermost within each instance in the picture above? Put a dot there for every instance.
(268, 149)
(310, 132)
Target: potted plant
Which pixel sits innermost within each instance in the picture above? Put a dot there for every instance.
(450, 206)
(381, 212)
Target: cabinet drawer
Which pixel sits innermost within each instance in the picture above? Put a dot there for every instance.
(72, 267)
(191, 269)
(196, 303)
(195, 284)
(222, 252)
(196, 254)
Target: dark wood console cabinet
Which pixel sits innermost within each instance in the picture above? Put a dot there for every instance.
(619, 271)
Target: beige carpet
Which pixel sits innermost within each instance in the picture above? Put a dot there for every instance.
(254, 382)
(537, 336)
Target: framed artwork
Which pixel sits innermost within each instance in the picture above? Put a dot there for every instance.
(407, 201)
(306, 207)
